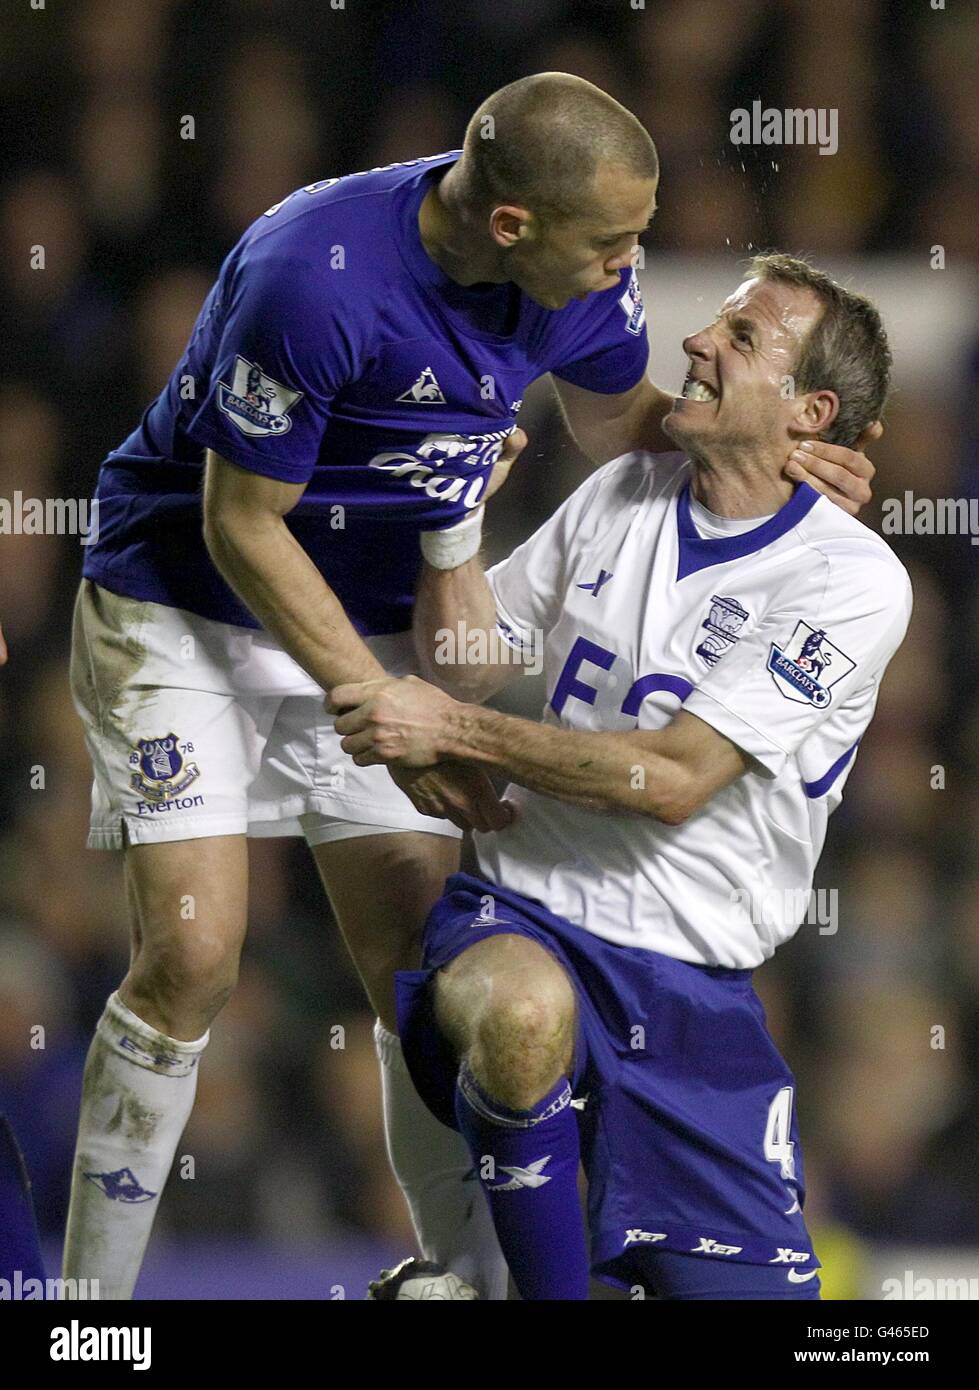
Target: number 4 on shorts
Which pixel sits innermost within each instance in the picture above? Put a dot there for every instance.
(778, 1146)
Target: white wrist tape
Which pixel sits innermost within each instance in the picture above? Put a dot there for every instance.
(452, 547)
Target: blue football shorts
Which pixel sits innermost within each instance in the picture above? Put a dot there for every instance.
(689, 1135)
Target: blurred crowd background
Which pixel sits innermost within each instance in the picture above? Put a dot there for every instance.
(135, 220)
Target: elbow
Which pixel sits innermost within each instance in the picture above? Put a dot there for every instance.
(444, 661)
(466, 684)
(447, 676)
(676, 799)
(215, 533)
(222, 538)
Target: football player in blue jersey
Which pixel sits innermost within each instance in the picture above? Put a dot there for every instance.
(350, 384)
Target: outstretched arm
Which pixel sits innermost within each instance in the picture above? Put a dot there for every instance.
(667, 774)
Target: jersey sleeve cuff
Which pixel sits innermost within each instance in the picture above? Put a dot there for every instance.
(606, 373)
(758, 744)
(517, 636)
(248, 459)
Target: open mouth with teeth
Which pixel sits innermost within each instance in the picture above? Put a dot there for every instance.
(698, 391)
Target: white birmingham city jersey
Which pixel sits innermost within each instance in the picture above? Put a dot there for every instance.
(777, 637)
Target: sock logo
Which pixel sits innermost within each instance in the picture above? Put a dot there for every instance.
(121, 1186)
(164, 1062)
(158, 1059)
(531, 1176)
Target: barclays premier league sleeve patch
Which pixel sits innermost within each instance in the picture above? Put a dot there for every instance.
(632, 306)
(255, 402)
(807, 667)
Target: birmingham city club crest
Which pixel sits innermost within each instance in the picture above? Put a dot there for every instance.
(257, 403)
(807, 666)
(723, 623)
(162, 770)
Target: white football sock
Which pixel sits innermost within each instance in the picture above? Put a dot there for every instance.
(451, 1217)
(137, 1094)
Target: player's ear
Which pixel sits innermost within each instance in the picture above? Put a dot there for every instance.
(509, 223)
(816, 411)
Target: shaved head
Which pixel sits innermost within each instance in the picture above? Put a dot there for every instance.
(556, 183)
(539, 142)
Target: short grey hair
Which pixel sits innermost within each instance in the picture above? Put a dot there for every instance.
(846, 351)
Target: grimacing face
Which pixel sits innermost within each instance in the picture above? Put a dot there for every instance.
(735, 396)
(555, 262)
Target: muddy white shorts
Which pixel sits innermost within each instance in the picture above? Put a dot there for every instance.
(200, 728)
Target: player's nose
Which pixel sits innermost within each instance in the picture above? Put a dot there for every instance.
(698, 345)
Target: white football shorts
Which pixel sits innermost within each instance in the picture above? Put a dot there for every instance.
(200, 728)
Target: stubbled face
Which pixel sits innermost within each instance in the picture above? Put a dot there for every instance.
(738, 394)
(555, 262)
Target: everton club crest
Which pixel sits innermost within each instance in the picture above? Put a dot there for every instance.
(163, 773)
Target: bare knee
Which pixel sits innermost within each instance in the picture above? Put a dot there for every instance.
(180, 986)
(189, 906)
(201, 971)
(509, 1009)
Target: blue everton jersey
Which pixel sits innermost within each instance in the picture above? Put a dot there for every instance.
(333, 352)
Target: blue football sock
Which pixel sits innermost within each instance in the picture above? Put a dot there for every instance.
(532, 1186)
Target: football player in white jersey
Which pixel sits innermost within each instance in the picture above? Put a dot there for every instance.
(714, 639)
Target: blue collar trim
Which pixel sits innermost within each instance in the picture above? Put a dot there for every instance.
(697, 552)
